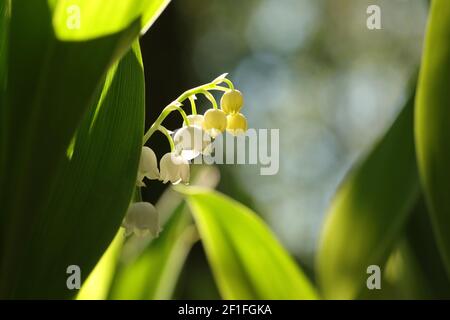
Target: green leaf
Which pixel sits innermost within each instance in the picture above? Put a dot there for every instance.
(92, 192)
(247, 260)
(88, 19)
(4, 27)
(95, 187)
(432, 123)
(414, 269)
(368, 211)
(423, 249)
(97, 285)
(151, 12)
(153, 273)
(50, 85)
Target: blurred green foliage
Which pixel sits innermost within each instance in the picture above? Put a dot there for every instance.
(153, 273)
(431, 125)
(57, 209)
(369, 212)
(232, 235)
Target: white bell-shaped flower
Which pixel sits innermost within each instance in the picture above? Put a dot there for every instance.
(195, 120)
(191, 141)
(174, 168)
(142, 219)
(148, 166)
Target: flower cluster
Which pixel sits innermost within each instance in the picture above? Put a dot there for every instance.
(194, 138)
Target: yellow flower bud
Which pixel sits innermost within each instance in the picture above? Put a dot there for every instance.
(236, 123)
(231, 101)
(214, 122)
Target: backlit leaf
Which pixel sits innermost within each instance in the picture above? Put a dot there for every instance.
(368, 212)
(432, 123)
(88, 19)
(247, 260)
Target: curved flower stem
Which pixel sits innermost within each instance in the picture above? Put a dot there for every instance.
(164, 131)
(175, 105)
(211, 98)
(220, 88)
(166, 111)
(229, 83)
(137, 196)
(196, 90)
(193, 106)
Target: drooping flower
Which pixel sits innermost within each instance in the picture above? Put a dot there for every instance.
(142, 219)
(231, 101)
(190, 141)
(236, 123)
(215, 122)
(148, 166)
(174, 168)
(195, 120)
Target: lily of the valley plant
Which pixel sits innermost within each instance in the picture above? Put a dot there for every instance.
(194, 138)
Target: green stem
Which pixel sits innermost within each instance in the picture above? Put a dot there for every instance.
(174, 105)
(137, 196)
(164, 131)
(166, 111)
(220, 88)
(210, 98)
(229, 83)
(193, 106)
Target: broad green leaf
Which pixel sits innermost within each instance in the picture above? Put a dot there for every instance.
(95, 186)
(414, 269)
(97, 285)
(153, 273)
(432, 123)
(403, 276)
(424, 251)
(151, 12)
(87, 19)
(247, 260)
(368, 211)
(4, 26)
(50, 85)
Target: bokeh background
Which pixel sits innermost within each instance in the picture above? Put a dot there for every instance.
(308, 67)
